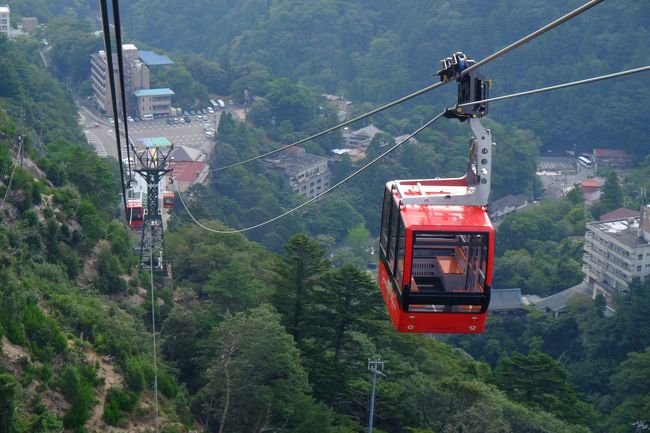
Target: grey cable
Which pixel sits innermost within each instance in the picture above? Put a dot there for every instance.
(153, 330)
(429, 88)
(417, 131)
(11, 178)
(560, 86)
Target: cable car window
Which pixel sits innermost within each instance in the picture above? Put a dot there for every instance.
(385, 220)
(401, 248)
(392, 234)
(449, 262)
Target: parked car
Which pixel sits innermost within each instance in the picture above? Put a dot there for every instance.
(186, 113)
(129, 119)
(204, 111)
(188, 119)
(210, 110)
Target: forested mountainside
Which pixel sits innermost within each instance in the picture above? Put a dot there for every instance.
(250, 340)
(377, 51)
(257, 340)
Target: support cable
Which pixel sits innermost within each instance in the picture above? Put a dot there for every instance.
(11, 178)
(111, 78)
(120, 63)
(561, 86)
(331, 188)
(153, 331)
(429, 88)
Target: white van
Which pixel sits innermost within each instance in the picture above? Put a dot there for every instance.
(147, 117)
(221, 104)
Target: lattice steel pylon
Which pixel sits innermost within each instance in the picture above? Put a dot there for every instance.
(152, 165)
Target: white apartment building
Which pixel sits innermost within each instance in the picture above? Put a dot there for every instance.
(136, 76)
(617, 253)
(5, 20)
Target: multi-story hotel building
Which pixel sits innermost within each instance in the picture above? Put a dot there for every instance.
(617, 253)
(136, 76)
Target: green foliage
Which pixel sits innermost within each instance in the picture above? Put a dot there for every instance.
(8, 389)
(134, 376)
(45, 337)
(79, 391)
(538, 380)
(298, 273)
(119, 403)
(109, 273)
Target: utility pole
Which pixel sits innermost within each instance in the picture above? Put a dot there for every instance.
(375, 368)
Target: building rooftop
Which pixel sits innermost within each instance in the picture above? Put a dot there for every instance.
(619, 213)
(187, 171)
(4, 9)
(152, 59)
(154, 142)
(624, 230)
(184, 153)
(610, 153)
(129, 47)
(154, 92)
(295, 161)
(505, 300)
(558, 301)
(509, 200)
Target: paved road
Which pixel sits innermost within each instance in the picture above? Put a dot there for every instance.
(101, 134)
(558, 175)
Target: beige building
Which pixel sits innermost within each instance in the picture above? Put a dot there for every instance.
(5, 20)
(136, 76)
(153, 102)
(617, 252)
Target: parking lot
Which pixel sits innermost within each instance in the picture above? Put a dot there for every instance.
(100, 133)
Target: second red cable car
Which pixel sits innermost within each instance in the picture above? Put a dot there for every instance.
(168, 200)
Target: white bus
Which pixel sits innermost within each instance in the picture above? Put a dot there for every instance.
(585, 162)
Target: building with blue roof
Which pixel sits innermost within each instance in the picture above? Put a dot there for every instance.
(150, 58)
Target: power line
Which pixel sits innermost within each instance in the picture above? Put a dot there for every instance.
(431, 87)
(111, 78)
(120, 64)
(561, 86)
(417, 131)
(11, 178)
(153, 331)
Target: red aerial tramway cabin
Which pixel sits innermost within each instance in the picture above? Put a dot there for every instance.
(168, 200)
(436, 239)
(134, 213)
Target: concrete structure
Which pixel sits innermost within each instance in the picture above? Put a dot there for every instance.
(30, 24)
(136, 76)
(591, 188)
(153, 102)
(5, 20)
(361, 138)
(306, 174)
(503, 207)
(617, 252)
(506, 302)
(611, 157)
